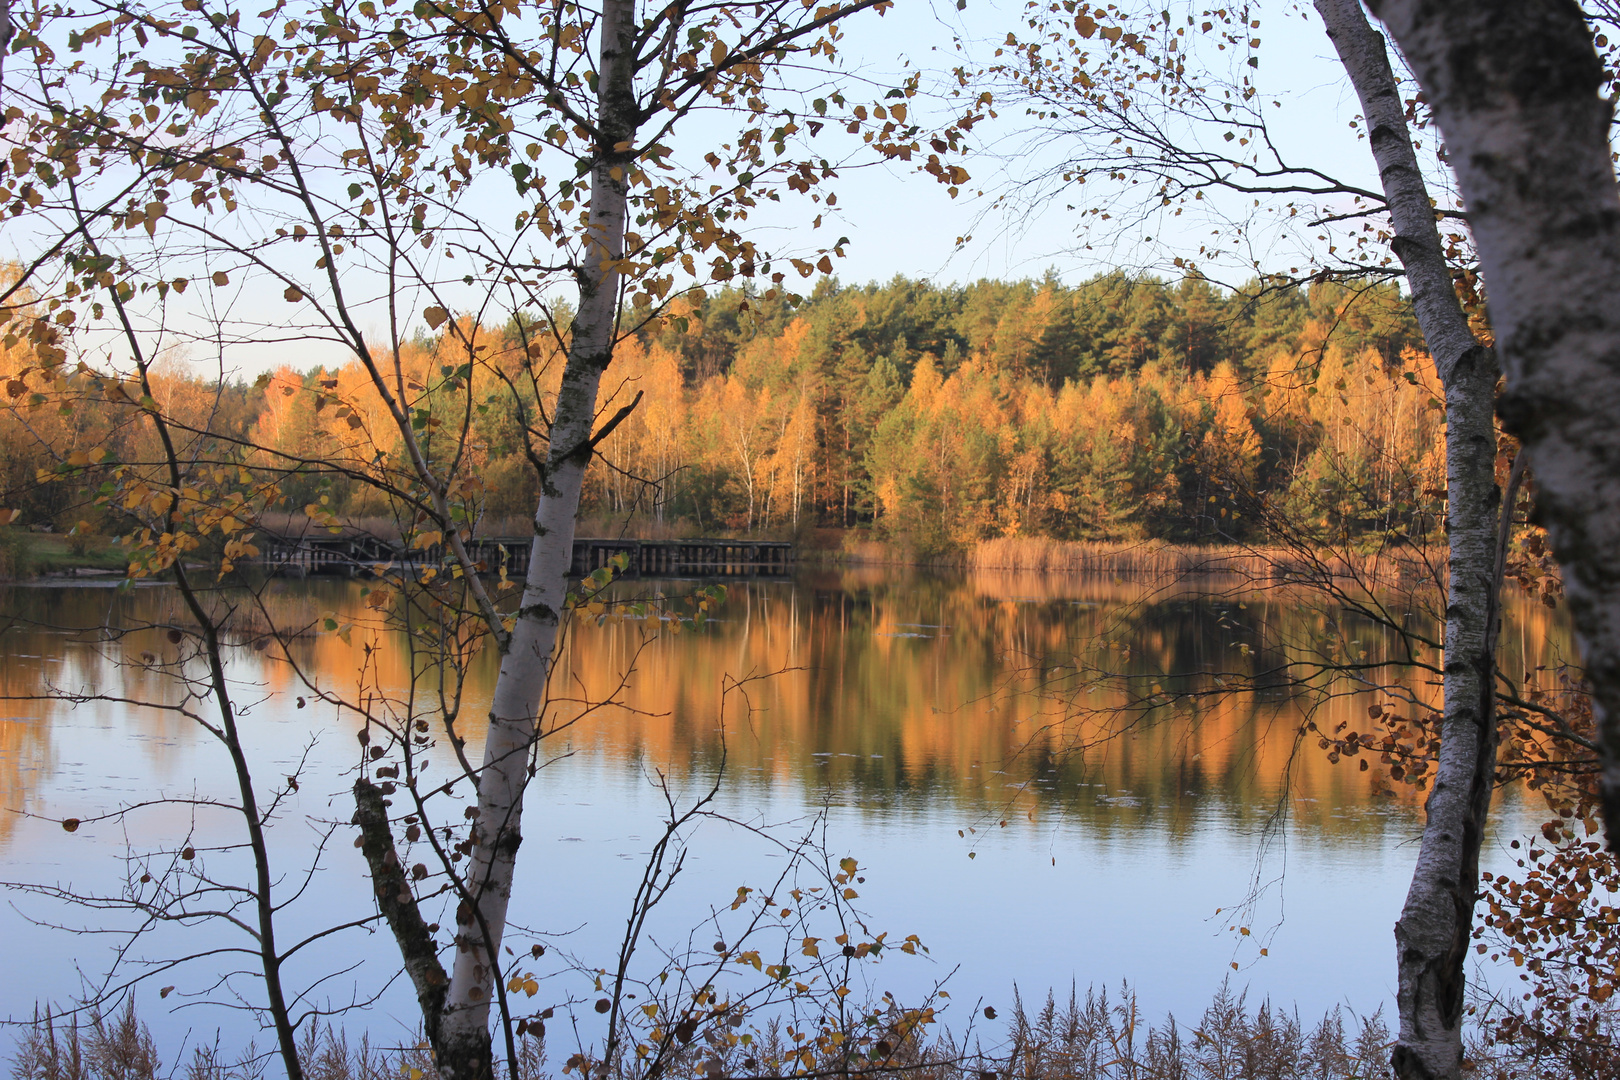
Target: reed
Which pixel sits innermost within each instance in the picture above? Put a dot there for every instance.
(872, 552)
(857, 547)
(1161, 561)
(630, 527)
(1095, 1037)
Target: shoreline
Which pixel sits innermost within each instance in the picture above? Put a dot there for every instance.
(1147, 559)
(828, 549)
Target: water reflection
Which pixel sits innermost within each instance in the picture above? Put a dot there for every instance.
(1150, 734)
(1105, 702)
(1027, 694)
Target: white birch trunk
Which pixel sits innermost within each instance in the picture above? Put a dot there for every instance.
(520, 688)
(1516, 90)
(1432, 935)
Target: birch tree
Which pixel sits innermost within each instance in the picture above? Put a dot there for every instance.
(1433, 934)
(645, 78)
(196, 146)
(1517, 92)
(1163, 143)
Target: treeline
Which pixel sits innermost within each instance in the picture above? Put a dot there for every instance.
(1123, 408)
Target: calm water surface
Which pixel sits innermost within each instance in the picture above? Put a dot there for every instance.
(970, 740)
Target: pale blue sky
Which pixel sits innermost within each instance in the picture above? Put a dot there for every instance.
(902, 223)
(898, 220)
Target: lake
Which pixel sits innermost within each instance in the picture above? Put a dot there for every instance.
(1043, 778)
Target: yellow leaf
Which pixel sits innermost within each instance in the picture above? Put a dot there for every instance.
(293, 294)
(221, 278)
(435, 316)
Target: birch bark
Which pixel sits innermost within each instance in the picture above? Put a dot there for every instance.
(7, 28)
(464, 1036)
(1515, 88)
(1432, 935)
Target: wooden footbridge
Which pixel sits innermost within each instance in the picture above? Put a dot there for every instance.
(352, 551)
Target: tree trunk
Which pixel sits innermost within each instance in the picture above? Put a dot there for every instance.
(464, 1038)
(7, 28)
(1432, 936)
(1515, 88)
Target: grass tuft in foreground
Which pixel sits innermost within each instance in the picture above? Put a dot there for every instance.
(1091, 1037)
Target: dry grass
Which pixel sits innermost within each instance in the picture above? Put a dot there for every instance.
(121, 1048)
(1149, 560)
(858, 548)
(633, 527)
(871, 552)
(1161, 561)
(1095, 1037)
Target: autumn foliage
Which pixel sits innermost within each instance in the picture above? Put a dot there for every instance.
(1123, 409)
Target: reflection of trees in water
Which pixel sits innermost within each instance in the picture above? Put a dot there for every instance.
(922, 688)
(62, 642)
(1106, 702)
(25, 753)
(43, 648)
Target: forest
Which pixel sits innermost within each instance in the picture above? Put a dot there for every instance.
(1123, 408)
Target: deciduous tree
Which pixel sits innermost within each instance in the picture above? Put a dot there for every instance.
(189, 167)
(1516, 90)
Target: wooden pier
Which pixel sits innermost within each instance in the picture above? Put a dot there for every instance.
(681, 558)
(351, 552)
